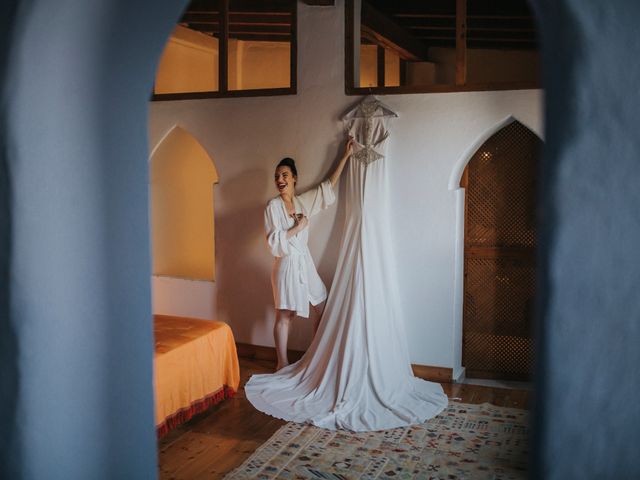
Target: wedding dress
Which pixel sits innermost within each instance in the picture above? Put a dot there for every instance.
(356, 375)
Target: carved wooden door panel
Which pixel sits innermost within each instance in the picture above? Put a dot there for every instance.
(499, 258)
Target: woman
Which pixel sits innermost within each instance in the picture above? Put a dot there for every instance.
(294, 279)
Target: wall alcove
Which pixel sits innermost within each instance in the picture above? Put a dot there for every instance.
(182, 208)
(499, 254)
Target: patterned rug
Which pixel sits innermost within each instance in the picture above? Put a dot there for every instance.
(464, 441)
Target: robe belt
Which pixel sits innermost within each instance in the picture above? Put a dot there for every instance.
(301, 259)
(302, 266)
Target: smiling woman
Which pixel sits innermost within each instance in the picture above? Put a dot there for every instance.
(294, 278)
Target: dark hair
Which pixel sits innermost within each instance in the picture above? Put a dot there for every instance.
(289, 162)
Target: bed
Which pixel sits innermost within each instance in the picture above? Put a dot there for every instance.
(195, 367)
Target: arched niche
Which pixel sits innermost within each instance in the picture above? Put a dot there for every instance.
(182, 208)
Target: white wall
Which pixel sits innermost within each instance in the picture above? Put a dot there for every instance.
(247, 136)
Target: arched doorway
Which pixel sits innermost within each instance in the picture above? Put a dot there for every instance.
(499, 255)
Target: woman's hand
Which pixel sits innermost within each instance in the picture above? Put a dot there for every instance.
(348, 149)
(300, 222)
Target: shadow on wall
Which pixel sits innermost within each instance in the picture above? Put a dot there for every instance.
(9, 381)
(244, 285)
(325, 247)
(328, 259)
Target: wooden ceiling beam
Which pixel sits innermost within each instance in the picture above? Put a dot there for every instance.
(320, 3)
(260, 6)
(253, 37)
(501, 29)
(261, 38)
(207, 22)
(473, 45)
(461, 42)
(431, 27)
(425, 15)
(383, 31)
(237, 18)
(260, 14)
(453, 16)
(474, 29)
(502, 17)
(480, 39)
(501, 39)
(375, 38)
(236, 29)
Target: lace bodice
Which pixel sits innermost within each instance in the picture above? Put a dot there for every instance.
(367, 125)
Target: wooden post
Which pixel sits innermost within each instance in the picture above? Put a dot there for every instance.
(293, 42)
(322, 3)
(461, 42)
(223, 47)
(380, 64)
(351, 53)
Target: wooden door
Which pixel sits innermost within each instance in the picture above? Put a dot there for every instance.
(499, 256)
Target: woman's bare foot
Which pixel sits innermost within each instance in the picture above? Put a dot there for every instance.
(280, 367)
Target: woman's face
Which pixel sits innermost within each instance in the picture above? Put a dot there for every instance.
(285, 180)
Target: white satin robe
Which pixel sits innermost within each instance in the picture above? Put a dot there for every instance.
(294, 278)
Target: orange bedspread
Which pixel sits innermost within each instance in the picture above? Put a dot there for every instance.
(196, 366)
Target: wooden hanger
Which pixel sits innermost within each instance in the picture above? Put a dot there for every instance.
(356, 111)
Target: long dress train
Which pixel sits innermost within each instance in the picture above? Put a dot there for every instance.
(356, 375)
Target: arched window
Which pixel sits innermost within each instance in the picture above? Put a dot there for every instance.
(182, 208)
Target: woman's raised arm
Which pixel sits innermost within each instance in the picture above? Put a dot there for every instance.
(348, 150)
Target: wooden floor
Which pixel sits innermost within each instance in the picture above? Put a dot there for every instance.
(215, 442)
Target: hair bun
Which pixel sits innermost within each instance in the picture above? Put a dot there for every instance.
(289, 162)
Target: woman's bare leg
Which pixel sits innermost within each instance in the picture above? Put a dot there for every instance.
(319, 309)
(281, 336)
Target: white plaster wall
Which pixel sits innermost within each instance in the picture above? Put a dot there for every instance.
(184, 297)
(247, 136)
